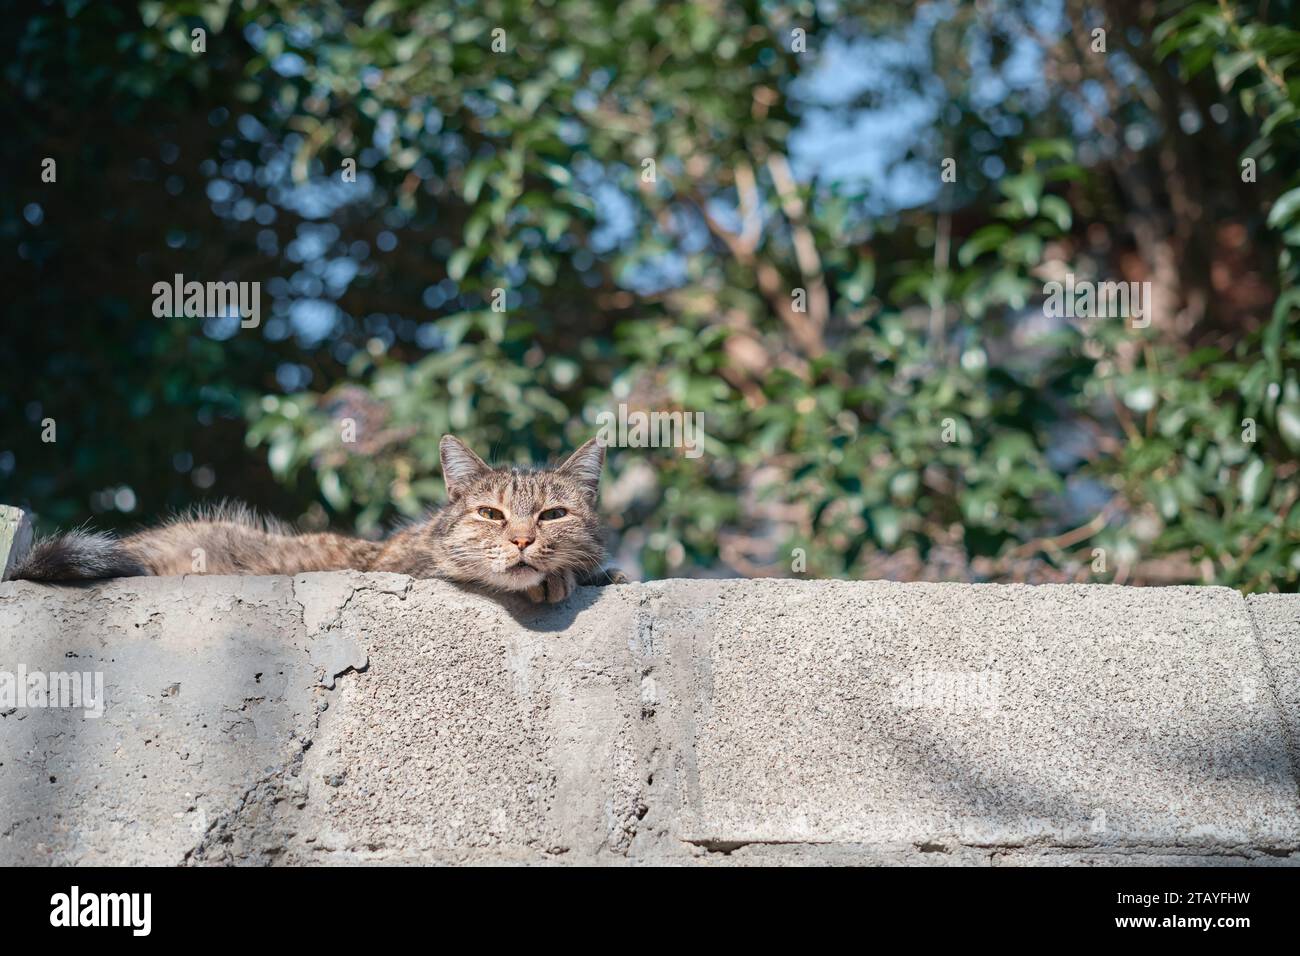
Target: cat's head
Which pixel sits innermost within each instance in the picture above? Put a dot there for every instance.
(508, 528)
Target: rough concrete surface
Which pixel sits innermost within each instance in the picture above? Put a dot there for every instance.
(349, 718)
(1276, 620)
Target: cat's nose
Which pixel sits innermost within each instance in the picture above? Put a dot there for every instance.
(522, 543)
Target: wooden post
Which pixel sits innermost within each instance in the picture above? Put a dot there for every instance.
(15, 538)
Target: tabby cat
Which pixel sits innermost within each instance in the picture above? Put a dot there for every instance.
(533, 531)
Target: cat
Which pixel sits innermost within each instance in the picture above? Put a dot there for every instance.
(533, 531)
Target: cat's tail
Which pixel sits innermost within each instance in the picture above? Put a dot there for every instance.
(78, 556)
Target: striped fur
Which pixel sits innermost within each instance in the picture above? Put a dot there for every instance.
(464, 540)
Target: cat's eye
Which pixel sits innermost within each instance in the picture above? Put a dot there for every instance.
(492, 514)
(550, 514)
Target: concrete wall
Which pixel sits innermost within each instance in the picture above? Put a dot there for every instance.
(339, 718)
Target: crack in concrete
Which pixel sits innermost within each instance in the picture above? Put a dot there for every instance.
(223, 829)
(353, 585)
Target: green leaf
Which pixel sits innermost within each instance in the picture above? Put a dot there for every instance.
(1228, 66)
(1281, 115)
(1254, 482)
(1058, 210)
(1023, 189)
(1288, 425)
(475, 174)
(459, 263)
(1061, 149)
(1273, 333)
(333, 491)
(476, 229)
(984, 240)
(860, 285)
(886, 526)
(1287, 205)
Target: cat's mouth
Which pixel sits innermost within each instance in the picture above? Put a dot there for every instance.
(520, 576)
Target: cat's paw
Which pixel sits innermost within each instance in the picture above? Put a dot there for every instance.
(555, 588)
(603, 576)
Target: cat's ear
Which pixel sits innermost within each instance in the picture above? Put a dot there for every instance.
(584, 466)
(460, 466)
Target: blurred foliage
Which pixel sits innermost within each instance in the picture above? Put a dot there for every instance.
(883, 392)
